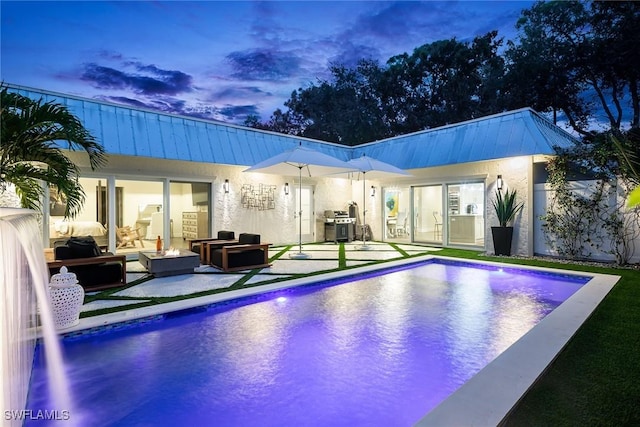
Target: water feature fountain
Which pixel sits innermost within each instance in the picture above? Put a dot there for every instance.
(23, 292)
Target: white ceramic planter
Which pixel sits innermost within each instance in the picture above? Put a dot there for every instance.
(66, 297)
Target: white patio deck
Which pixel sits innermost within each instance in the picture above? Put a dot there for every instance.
(324, 259)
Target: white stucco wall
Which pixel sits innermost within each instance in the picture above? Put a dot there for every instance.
(517, 175)
(279, 225)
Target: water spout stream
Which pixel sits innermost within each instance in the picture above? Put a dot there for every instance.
(24, 272)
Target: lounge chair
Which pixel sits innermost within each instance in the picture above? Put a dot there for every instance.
(206, 245)
(247, 254)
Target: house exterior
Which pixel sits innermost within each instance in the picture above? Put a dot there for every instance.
(181, 177)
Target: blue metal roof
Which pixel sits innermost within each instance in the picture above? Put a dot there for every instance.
(134, 132)
(514, 133)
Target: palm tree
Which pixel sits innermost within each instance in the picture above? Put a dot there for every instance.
(626, 148)
(32, 133)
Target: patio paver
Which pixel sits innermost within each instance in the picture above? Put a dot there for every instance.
(324, 258)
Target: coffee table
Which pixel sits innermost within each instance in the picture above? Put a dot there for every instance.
(161, 264)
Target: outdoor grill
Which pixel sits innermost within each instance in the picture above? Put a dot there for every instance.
(338, 226)
(338, 217)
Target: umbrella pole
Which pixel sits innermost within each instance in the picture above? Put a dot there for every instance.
(299, 255)
(300, 210)
(364, 246)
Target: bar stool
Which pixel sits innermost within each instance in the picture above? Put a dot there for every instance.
(437, 231)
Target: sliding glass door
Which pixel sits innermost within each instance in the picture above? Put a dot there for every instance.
(427, 214)
(449, 214)
(190, 203)
(397, 218)
(465, 207)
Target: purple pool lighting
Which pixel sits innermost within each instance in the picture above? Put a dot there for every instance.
(378, 350)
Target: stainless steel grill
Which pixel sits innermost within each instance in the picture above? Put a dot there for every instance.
(338, 217)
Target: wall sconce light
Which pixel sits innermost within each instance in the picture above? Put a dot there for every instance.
(226, 185)
(286, 188)
(499, 182)
(373, 191)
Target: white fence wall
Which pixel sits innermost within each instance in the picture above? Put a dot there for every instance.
(542, 199)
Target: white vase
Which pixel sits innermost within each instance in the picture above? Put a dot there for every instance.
(66, 297)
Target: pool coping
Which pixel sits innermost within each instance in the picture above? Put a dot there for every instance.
(488, 397)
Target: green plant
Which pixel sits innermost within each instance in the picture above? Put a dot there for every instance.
(33, 135)
(506, 206)
(588, 217)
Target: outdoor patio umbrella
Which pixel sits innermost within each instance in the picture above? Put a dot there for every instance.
(371, 167)
(313, 162)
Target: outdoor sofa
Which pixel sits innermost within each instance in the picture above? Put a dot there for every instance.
(94, 269)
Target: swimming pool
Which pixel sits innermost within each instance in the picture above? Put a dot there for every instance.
(381, 350)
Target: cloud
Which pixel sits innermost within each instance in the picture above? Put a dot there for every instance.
(350, 54)
(125, 101)
(263, 65)
(397, 27)
(228, 113)
(110, 55)
(239, 92)
(237, 113)
(165, 105)
(146, 80)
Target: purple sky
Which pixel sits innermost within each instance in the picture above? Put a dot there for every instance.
(217, 59)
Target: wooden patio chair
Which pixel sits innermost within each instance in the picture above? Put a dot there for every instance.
(127, 236)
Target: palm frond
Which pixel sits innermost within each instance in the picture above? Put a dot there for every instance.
(627, 158)
(33, 134)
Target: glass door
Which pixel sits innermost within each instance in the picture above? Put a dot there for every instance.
(427, 214)
(141, 221)
(307, 222)
(397, 214)
(91, 220)
(189, 212)
(465, 207)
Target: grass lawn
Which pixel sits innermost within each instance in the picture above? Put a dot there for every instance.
(596, 379)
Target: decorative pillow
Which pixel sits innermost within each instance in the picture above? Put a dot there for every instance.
(247, 238)
(83, 247)
(226, 235)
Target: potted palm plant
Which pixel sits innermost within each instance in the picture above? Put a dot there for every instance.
(506, 208)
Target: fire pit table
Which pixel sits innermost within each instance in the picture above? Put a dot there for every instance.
(169, 264)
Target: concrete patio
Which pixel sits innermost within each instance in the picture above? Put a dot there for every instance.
(192, 289)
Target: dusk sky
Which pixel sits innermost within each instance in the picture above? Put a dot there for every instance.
(217, 59)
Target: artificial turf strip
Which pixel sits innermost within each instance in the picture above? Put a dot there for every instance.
(402, 252)
(280, 253)
(342, 256)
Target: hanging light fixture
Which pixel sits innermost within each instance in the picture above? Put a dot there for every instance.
(499, 182)
(226, 185)
(286, 188)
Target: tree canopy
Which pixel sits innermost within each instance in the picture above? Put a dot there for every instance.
(577, 60)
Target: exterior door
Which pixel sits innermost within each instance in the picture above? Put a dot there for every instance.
(465, 209)
(427, 214)
(307, 213)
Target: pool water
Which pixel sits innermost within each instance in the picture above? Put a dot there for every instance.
(379, 350)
